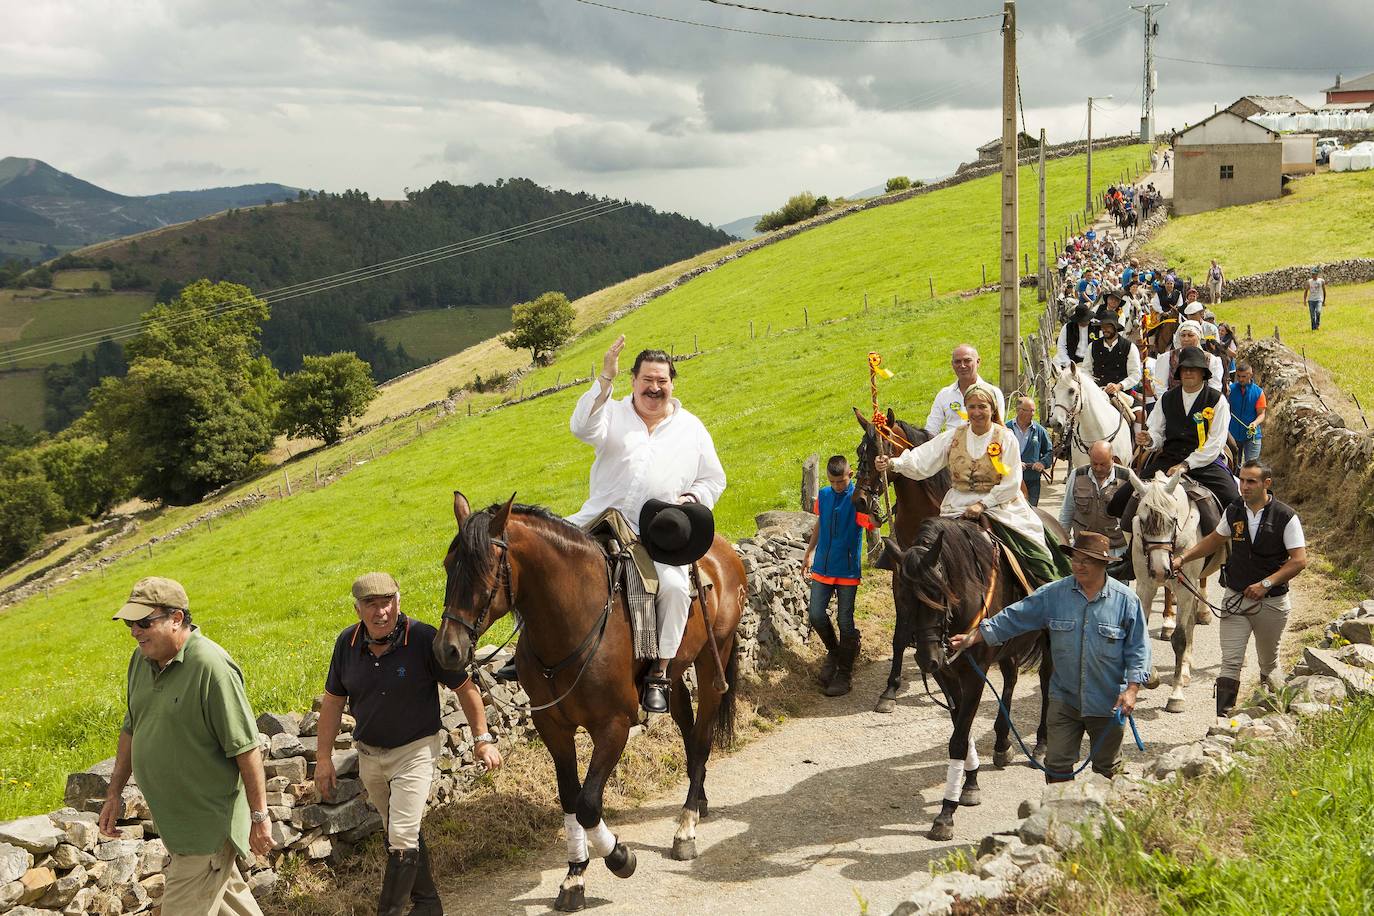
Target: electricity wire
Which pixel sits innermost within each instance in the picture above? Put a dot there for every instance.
(773, 12)
(1282, 69)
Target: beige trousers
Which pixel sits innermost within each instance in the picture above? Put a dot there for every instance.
(397, 780)
(1267, 624)
(207, 886)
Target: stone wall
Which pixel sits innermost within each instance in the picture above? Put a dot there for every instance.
(59, 863)
(1285, 279)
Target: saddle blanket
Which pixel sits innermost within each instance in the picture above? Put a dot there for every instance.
(633, 571)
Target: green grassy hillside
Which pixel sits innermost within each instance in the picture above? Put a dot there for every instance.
(272, 585)
(1332, 213)
(436, 333)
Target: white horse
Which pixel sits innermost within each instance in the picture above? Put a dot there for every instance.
(1166, 523)
(1086, 414)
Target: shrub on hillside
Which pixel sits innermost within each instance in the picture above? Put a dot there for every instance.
(28, 508)
(540, 326)
(327, 392)
(898, 183)
(798, 207)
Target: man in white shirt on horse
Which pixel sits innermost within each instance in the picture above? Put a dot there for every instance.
(947, 410)
(648, 447)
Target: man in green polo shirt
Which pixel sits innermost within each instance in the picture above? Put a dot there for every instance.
(191, 741)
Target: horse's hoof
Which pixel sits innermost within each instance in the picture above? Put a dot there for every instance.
(683, 850)
(1153, 682)
(1002, 758)
(1166, 634)
(702, 809)
(1039, 752)
(1175, 704)
(621, 861)
(970, 798)
(571, 899)
(885, 704)
(939, 831)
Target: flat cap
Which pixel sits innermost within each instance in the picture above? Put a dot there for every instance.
(370, 585)
(150, 593)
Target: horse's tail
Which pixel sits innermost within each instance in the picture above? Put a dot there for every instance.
(725, 713)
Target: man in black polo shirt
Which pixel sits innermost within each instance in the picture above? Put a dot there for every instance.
(1267, 549)
(384, 668)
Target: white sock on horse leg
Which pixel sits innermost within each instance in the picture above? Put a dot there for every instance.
(601, 840)
(971, 761)
(577, 839)
(954, 780)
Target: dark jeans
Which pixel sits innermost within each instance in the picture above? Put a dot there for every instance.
(844, 606)
(1314, 312)
(1032, 490)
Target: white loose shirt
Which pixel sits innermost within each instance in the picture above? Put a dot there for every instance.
(1216, 432)
(633, 465)
(947, 410)
(1164, 378)
(1061, 356)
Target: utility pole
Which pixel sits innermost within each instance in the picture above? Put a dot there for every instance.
(1089, 191)
(1011, 313)
(1149, 79)
(1044, 283)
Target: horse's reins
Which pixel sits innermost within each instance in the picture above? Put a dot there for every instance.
(592, 640)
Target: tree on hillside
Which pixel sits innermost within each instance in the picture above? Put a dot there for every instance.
(798, 207)
(898, 183)
(541, 326)
(28, 508)
(327, 392)
(78, 468)
(198, 402)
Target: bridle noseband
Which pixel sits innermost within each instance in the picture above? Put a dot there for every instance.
(503, 582)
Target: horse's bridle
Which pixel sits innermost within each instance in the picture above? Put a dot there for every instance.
(1071, 415)
(503, 579)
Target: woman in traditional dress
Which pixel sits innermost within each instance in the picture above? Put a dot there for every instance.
(983, 458)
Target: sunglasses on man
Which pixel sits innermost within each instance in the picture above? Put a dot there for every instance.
(145, 622)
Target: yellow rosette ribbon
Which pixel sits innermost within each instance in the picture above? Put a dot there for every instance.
(959, 409)
(875, 365)
(995, 456)
(1204, 422)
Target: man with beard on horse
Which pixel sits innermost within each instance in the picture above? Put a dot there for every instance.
(985, 480)
(1114, 363)
(1101, 652)
(648, 448)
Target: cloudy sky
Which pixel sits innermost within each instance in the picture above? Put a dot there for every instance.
(143, 96)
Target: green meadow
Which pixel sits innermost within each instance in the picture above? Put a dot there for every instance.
(433, 334)
(33, 317)
(271, 585)
(80, 279)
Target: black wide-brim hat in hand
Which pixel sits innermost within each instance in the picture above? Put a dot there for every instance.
(676, 534)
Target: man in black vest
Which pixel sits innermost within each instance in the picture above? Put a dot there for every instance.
(1267, 549)
(1074, 337)
(1112, 360)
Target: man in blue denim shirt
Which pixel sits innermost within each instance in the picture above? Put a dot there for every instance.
(1101, 652)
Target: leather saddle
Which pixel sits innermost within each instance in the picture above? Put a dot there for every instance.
(1208, 507)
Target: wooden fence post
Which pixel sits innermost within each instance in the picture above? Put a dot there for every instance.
(932, 286)
(985, 274)
(806, 317)
(751, 329)
(286, 477)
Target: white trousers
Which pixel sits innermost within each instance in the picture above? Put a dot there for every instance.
(673, 602)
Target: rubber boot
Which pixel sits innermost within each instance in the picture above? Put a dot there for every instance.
(1228, 688)
(401, 866)
(832, 653)
(423, 894)
(844, 666)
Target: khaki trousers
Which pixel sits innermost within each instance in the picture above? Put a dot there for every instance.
(207, 886)
(397, 780)
(1064, 742)
(1267, 623)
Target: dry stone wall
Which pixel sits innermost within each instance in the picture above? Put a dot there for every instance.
(1286, 279)
(58, 863)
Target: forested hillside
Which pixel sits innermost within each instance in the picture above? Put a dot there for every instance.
(331, 233)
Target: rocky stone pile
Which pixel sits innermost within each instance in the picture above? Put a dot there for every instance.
(59, 863)
(1025, 859)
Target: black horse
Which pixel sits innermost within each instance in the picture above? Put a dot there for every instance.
(950, 579)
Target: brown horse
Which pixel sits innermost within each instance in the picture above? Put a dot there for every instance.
(576, 660)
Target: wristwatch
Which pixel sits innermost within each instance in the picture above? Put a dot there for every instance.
(1267, 583)
(258, 817)
(484, 738)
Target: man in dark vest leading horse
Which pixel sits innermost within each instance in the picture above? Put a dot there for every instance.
(1268, 549)
(648, 447)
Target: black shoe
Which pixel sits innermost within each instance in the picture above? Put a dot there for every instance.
(401, 866)
(423, 894)
(655, 695)
(507, 672)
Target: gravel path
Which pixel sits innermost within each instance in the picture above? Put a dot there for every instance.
(831, 808)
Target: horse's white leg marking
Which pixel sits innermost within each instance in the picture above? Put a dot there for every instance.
(686, 825)
(577, 838)
(600, 840)
(954, 779)
(971, 758)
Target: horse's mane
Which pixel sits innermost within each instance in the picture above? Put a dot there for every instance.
(1156, 510)
(965, 554)
(471, 546)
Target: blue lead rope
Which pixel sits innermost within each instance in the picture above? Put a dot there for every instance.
(1117, 714)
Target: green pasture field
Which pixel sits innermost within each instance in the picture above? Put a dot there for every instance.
(434, 334)
(1325, 217)
(272, 586)
(1341, 347)
(80, 279)
(25, 321)
(21, 397)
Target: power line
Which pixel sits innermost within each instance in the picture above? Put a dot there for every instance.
(726, 28)
(358, 275)
(1213, 63)
(763, 9)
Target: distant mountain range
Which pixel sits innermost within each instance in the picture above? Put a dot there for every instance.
(44, 211)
